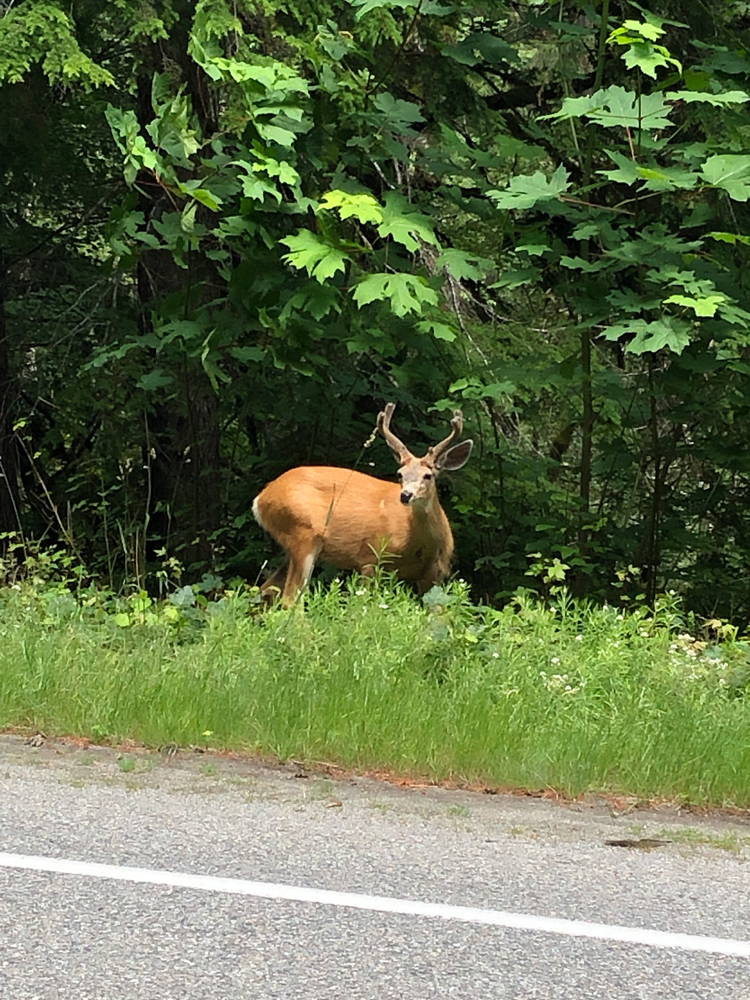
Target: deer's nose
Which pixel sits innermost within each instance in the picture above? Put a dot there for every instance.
(406, 496)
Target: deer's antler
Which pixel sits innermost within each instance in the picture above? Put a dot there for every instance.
(397, 446)
(457, 425)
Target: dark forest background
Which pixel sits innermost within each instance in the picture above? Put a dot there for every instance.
(230, 232)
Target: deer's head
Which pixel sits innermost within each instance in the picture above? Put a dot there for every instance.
(418, 475)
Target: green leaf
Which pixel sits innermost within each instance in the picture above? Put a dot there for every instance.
(687, 279)
(425, 6)
(537, 249)
(366, 6)
(655, 178)
(235, 225)
(587, 266)
(497, 390)
(406, 292)
(318, 258)
(526, 190)
(616, 106)
(334, 42)
(193, 190)
(515, 277)
(667, 332)
(474, 388)
(170, 129)
(440, 331)
(187, 218)
(648, 57)
(186, 330)
(481, 45)
(42, 33)
(173, 229)
(632, 30)
(276, 133)
(247, 354)
(732, 313)
(731, 173)
(400, 114)
(627, 168)
(154, 380)
(706, 306)
(585, 230)
(463, 265)
(254, 185)
(362, 206)
(667, 178)
(717, 100)
(732, 238)
(317, 300)
(404, 226)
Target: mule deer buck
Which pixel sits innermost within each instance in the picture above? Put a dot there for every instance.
(354, 521)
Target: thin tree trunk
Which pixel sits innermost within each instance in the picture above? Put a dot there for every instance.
(9, 516)
(184, 440)
(587, 397)
(653, 547)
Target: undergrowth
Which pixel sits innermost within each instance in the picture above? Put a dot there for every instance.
(564, 695)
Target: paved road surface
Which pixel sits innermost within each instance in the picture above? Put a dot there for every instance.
(67, 936)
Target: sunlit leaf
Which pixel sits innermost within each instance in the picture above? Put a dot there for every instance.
(403, 225)
(406, 292)
(525, 190)
(731, 173)
(318, 258)
(363, 207)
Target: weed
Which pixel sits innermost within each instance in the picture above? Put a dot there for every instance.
(324, 788)
(383, 807)
(458, 811)
(695, 837)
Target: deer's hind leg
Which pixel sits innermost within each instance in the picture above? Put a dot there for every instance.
(301, 565)
(272, 588)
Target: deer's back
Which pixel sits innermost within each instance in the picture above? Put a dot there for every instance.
(351, 518)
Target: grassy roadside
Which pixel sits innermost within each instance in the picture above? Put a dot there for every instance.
(572, 697)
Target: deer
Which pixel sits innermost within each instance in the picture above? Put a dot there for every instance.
(354, 521)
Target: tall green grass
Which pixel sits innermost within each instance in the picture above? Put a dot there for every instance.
(572, 697)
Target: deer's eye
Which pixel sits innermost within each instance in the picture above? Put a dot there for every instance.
(428, 475)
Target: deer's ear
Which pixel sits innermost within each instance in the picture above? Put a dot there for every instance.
(456, 457)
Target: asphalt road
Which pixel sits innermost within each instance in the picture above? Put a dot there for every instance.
(84, 937)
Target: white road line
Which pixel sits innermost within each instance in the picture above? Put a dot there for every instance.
(382, 904)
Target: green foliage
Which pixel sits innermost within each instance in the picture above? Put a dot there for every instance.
(567, 696)
(526, 192)
(319, 259)
(40, 32)
(231, 231)
(405, 292)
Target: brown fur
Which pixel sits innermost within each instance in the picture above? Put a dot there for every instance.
(349, 520)
(354, 521)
